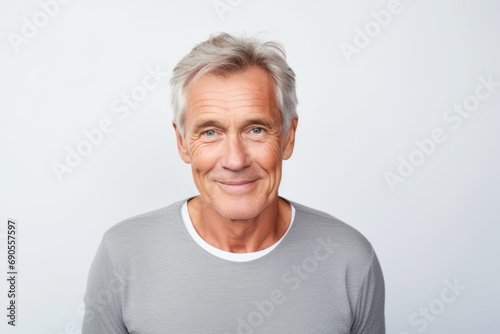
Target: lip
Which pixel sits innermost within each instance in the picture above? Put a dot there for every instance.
(239, 185)
(236, 183)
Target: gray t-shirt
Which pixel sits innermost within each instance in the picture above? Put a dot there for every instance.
(149, 276)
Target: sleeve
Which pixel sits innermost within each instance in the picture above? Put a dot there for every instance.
(103, 297)
(369, 316)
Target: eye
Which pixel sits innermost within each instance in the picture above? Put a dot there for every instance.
(257, 131)
(209, 133)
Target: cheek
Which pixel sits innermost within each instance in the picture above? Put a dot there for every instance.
(268, 157)
(203, 158)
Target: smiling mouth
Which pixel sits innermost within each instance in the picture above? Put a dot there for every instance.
(240, 185)
(236, 183)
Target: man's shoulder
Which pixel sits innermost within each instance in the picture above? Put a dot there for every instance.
(145, 224)
(315, 224)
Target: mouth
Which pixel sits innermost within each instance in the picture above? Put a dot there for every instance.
(237, 185)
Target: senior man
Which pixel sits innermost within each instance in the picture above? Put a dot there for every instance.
(237, 258)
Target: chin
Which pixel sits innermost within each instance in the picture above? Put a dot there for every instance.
(238, 213)
(239, 209)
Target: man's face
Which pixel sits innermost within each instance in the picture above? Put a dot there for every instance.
(234, 141)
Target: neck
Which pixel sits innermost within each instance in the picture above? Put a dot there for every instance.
(240, 236)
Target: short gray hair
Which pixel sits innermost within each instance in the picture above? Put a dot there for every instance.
(223, 54)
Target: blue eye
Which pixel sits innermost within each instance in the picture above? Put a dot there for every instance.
(209, 133)
(257, 131)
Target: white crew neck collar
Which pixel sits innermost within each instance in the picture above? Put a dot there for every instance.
(235, 257)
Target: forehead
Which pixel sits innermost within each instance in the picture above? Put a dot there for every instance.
(242, 92)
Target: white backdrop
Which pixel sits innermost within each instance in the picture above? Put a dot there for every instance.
(398, 137)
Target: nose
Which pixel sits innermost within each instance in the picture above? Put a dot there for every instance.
(235, 156)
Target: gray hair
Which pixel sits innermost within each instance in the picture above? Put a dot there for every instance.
(222, 54)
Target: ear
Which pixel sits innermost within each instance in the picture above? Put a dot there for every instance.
(181, 145)
(290, 139)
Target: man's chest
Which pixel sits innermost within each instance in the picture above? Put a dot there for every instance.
(280, 299)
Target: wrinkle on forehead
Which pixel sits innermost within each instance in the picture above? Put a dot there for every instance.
(259, 87)
(250, 91)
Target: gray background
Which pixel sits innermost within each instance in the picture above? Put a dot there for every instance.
(357, 116)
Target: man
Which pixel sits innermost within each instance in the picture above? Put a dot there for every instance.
(237, 258)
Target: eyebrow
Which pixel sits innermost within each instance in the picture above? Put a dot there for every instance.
(206, 124)
(215, 124)
(259, 121)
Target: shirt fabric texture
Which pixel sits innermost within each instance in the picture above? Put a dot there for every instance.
(149, 276)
